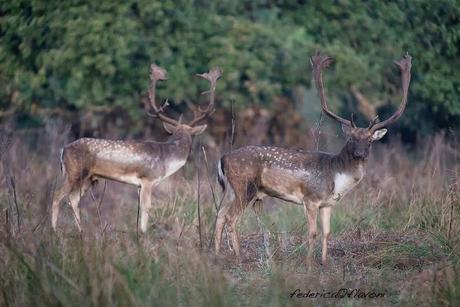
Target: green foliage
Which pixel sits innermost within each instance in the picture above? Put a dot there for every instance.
(80, 54)
(365, 36)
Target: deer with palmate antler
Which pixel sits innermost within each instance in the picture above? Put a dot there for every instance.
(141, 163)
(315, 180)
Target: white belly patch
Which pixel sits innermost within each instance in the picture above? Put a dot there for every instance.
(130, 178)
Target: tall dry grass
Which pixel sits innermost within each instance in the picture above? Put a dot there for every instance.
(398, 232)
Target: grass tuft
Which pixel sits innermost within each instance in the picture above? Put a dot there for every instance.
(398, 232)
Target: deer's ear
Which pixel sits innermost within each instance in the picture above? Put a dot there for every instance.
(378, 134)
(169, 128)
(198, 129)
(346, 130)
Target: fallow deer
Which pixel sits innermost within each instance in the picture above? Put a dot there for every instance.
(141, 163)
(316, 180)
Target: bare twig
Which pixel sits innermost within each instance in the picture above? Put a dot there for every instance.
(45, 215)
(7, 227)
(15, 201)
(198, 199)
(6, 141)
(266, 240)
(318, 130)
(232, 136)
(64, 277)
(124, 285)
(452, 199)
(214, 198)
(99, 204)
(138, 211)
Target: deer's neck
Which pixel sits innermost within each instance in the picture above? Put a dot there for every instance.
(179, 146)
(344, 162)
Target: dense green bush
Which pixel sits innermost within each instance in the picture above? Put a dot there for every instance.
(81, 54)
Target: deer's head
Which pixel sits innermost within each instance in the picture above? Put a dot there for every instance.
(359, 140)
(171, 125)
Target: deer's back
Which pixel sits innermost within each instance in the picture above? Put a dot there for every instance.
(111, 158)
(284, 173)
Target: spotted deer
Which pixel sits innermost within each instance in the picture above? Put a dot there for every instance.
(141, 163)
(316, 180)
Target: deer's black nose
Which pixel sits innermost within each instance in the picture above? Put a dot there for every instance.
(360, 154)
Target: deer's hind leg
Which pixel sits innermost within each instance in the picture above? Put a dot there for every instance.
(74, 198)
(245, 193)
(232, 217)
(73, 189)
(325, 213)
(311, 213)
(62, 192)
(145, 198)
(220, 223)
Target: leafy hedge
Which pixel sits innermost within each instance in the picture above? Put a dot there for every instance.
(80, 54)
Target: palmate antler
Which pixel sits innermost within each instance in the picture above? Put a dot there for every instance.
(404, 66)
(321, 61)
(158, 73)
(212, 76)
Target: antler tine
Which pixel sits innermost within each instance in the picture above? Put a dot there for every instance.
(318, 62)
(212, 76)
(404, 66)
(352, 120)
(158, 73)
(373, 122)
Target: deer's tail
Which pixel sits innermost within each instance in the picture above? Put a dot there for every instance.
(61, 159)
(221, 173)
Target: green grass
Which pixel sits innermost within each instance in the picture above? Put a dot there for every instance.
(397, 236)
(162, 268)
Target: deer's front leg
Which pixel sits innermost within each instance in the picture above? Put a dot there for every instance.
(325, 213)
(145, 203)
(311, 212)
